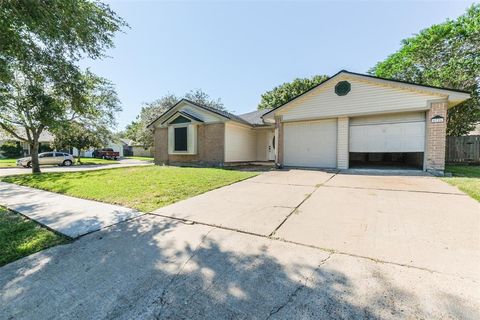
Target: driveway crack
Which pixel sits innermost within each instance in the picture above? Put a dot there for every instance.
(302, 202)
(161, 299)
(298, 289)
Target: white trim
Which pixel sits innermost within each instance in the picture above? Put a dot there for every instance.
(453, 97)
(191, 139)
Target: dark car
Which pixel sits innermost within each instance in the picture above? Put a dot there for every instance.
(106, 153)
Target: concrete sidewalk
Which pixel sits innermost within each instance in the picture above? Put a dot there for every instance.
(68, 215)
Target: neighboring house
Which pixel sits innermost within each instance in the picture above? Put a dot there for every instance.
(116, 146)
(349, 120)
(132, 148)
(141, 151)
(475, 132)
(45, 139)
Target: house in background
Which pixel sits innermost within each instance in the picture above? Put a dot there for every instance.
(350, 120)
(475, 132)
(46, 138)
(116, 146)
(132, 148)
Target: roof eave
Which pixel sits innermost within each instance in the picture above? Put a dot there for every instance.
(457, 96)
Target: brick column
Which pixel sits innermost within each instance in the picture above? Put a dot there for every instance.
(279, 139)
(160, 140)
(436, 136)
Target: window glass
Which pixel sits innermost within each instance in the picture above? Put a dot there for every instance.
(180, 137)
(47, 155)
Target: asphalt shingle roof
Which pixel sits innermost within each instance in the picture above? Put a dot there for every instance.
(254, 117)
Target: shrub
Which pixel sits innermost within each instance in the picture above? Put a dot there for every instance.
(11, 149)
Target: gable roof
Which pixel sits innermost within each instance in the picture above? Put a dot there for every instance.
(45, 136)
(224, 114)
(405, 84)
(184, 114)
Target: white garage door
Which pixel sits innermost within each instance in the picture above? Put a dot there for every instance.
(311, 143)
(388, 133)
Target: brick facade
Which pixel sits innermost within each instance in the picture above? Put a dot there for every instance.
(436, 138)
(210, 147)
(160, 141)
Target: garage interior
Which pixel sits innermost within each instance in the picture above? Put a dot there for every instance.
(386, 160)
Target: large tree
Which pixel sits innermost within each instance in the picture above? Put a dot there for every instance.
(81, 136)
(41, 86)
(445, 55)
(36, 103)
(289, 90)
(137, 130)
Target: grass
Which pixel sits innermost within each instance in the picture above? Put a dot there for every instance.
(95, 161)
(6, 163)
(142, 188)
(20, 237)
(466, 178)
(10, 163)
(140, 158)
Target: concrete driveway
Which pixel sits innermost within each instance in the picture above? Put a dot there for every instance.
(394, 247)
(159, 268)
(410, 219)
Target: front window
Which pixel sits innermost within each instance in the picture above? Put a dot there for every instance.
(46, 155)
(180, 139)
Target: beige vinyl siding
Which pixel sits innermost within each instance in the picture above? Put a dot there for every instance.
(240, 143)
(342, 143)
(205, 116)
(364, 98)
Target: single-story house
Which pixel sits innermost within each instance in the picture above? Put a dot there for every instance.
(350, 120)
(116, 146)
(45, 139)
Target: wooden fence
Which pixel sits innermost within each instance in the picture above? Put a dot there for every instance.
(464, 149)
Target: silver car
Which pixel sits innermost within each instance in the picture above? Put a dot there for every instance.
(48, 158)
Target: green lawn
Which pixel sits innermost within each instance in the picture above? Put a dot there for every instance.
(140, 158)
(142, 188)
(466, 178)
(6, 163)
(20, 237)
(95, 161)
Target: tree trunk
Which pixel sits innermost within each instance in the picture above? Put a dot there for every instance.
(78, 156)
(34, 155)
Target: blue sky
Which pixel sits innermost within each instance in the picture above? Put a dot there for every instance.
(238, 50)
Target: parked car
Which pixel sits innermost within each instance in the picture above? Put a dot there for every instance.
(106, 153)
(48, 158)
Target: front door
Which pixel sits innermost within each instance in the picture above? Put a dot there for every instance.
(271, 145)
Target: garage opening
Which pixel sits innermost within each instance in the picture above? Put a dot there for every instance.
(386, 160)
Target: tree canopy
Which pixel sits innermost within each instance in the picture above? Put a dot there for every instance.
(445, 55)
(41, 87)
(289, 90)
(81, 136)
(137, 130)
